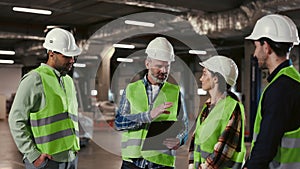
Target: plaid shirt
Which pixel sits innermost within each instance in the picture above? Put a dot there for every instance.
(126, 121)
(228, 143)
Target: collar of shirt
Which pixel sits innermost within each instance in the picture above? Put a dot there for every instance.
(281, 66)
(148, 86)
(57, 73)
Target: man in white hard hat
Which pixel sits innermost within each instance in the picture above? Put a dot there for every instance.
(148, 102)
(276, 134)
(43, 119)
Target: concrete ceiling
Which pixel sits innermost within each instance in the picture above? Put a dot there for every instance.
(224, 22)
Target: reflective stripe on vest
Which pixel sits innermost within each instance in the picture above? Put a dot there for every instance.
(211, 129)
(289, 151)
(52, 119)
(132, 140)
(55, 127)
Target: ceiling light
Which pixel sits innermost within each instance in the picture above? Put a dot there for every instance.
(7, 52)
(128, 60)
(201, 92)
(139, 23)
(94, 92)
(124, 46)
(7, 61)
(79, 65)
(32, 10)
(121, 92)
(89, 57)
(198, 52)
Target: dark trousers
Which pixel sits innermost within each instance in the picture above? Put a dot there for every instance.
(50, 164)
(129, 165)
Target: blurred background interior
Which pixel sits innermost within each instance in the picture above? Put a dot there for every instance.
(113, 35)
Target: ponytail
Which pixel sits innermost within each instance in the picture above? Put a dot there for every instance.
(223, 86)
(231, 94)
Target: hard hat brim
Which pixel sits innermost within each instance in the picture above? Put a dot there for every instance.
(72, 53)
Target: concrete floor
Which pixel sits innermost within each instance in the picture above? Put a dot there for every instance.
(101, 152)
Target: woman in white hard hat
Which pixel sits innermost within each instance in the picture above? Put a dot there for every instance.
(218, 141)
(276, 133)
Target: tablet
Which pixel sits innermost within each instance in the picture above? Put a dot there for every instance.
(158, 132)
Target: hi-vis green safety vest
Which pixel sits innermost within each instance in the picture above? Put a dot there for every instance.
(208, 132)
(288, 153)
(55, 127)
(132, 140)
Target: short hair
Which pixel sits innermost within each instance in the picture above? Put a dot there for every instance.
(280, 48)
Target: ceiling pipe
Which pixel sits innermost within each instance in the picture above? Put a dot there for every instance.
(236, 22)
(152, 5)
(239, 21)
(28, 48)
(11, 35)
(230, 23)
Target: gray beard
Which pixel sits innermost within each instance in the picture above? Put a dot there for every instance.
(156, 79)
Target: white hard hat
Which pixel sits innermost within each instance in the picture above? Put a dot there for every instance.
(62, 41)
(276, 27)
(223, 65)
(161, 49)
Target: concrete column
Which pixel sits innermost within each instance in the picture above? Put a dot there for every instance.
(103, 73)
(246, 81)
